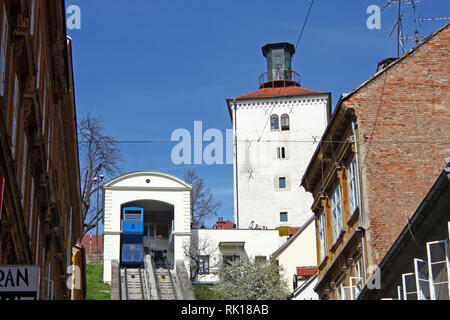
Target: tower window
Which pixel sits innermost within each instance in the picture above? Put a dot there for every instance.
(274, 122)
(285, 122)
(281, 153)
(282, 182)
(283, 216)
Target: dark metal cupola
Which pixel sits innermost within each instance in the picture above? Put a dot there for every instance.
(279, 72)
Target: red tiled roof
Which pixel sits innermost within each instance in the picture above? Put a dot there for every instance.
(306, 271)
(293, 230)
(277, 92)
(224, 225)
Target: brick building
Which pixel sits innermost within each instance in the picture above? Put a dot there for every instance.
(89, 242)
(41, 216)
(379, 156)
(417, 266)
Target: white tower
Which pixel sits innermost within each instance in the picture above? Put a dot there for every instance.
(274, 131)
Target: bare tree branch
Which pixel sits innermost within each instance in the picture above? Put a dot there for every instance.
(203, 204)
(101, 154)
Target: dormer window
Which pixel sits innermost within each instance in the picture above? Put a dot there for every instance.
(284, 122)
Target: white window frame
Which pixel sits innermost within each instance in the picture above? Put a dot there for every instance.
(24, 169)
(38, 230)
(4, 51)
(49, 138)
(281, 152)
(44, 106)
(399, 293)
(203, 264)
(357, 281)
(30, 220)
(336, 212)
(342, 291)
(422, 280)
(39, 60)
(32, 16)
(431, 263)
(353, 185)
(406, 292)
(322, 236)
(15, 115)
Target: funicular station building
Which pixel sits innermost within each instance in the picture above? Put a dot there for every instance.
(166, 203)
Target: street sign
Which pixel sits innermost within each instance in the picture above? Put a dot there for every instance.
(19, 282)
(2, 183)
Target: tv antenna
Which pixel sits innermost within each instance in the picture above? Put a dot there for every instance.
(398, 24)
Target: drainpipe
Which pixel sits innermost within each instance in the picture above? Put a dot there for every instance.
(361, 220)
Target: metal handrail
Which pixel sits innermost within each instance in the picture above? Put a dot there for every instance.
(283, 76)
(141, 284)
(147, 279)
(181, 282)
(171, 280)
(126, 282)
(120, 283)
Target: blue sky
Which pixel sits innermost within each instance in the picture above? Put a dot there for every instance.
(148, 67)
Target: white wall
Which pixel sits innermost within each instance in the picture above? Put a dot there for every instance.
(301, 252)
(257, 243)
(257, 163)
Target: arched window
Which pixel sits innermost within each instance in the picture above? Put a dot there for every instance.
(285, 122)
(274, 122)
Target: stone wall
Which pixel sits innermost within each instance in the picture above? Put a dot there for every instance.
(96, 259)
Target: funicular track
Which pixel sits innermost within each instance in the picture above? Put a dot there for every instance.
(132, 284)
(165, 283)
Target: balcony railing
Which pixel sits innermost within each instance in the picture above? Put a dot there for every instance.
(279, 78)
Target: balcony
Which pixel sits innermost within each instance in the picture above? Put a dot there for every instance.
(279, 78)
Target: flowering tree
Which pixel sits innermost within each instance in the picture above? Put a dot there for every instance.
(243, 279)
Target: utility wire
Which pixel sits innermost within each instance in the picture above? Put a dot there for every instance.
(304, 24)
(272, 140)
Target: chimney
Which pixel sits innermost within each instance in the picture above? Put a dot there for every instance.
(384, 63)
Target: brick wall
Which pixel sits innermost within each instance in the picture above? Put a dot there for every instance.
(89, 243)
(403, 130)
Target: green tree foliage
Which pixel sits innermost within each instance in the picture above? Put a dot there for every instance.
(243, 279)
